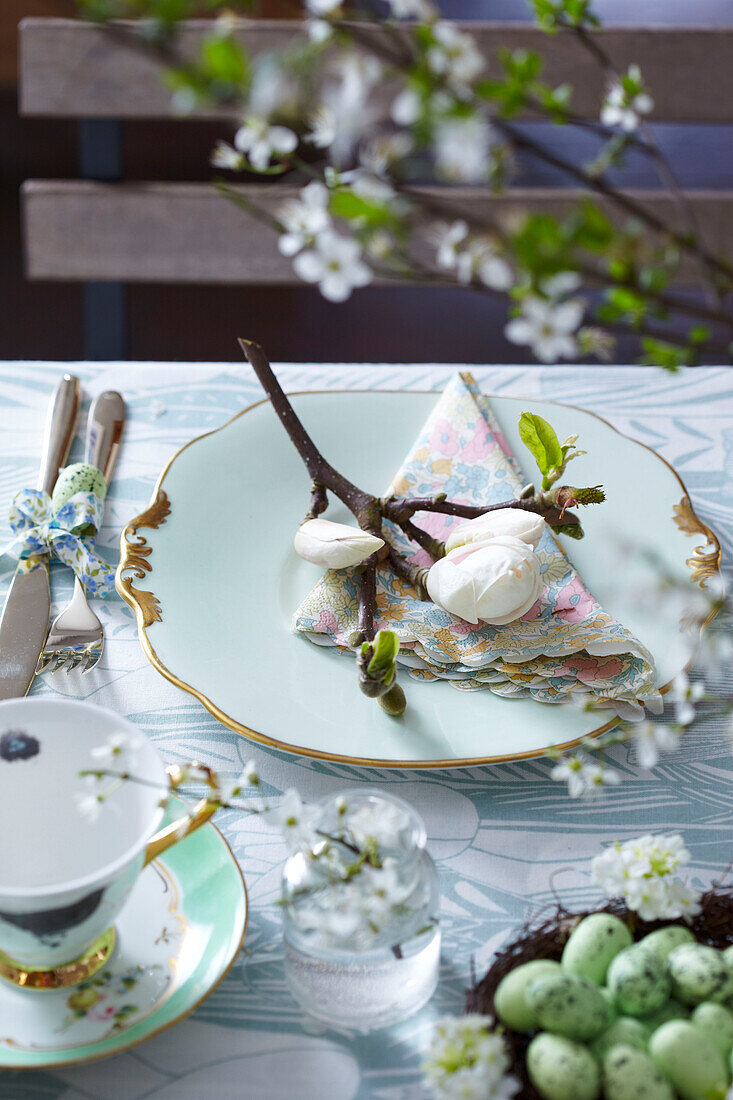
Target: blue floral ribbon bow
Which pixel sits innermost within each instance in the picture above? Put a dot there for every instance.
(67, 535)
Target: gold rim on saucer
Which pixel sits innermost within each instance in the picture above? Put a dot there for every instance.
(60, 977)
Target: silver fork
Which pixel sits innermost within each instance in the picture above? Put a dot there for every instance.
(76, 636)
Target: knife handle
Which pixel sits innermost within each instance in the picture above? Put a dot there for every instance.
(104, 432)
(59, 433)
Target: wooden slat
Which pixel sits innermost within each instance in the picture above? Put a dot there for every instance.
(186, 232)
(70, 68)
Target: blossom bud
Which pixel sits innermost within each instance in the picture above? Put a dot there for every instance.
(517, 522)
(496, 582)
(334, 545)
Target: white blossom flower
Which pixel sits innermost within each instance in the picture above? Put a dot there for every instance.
(624, 108)
(651, 739)
(547, 328)
(477, 258)
(119, 750)
(303, 218)
(322, 7)
(260, 141)
(454, 55)
(684, 695)
(447, 238)
(323, 128)
(559, 285)
(296, 821)
(642, 871)
(585, 778)
(226, 156)
(468, 1061)
(527, 526)
(232, 788)
(496, 581)
(406, 107)
(383, 150)
(382, 824)
(89, 802)
(334, 263)
(319, 30)
(411, 9)
(348, 98)
(462, 146)
(334, 545)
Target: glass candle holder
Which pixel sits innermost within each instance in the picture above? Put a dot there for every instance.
(360, 914)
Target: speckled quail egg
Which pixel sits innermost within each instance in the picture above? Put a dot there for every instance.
(562, 1070)
(630, 1074)
(638, 981)
(626, 1031)
(510, 999)
(81, 477)
(690, 1061)
(592, 944)
(567, 1005)
(699, 973)
(665, 940)
(717, 1023)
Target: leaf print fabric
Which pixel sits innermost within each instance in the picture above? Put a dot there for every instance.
(565, 647)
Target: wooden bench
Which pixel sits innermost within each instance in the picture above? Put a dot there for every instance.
(104, 231)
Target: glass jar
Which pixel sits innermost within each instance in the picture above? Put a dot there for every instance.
(362, 941)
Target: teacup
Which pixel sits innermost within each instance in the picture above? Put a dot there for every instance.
(64, 877)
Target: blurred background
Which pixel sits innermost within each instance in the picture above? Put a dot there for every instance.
(47, 319)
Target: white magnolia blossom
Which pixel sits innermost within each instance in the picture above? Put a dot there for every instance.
(334, 545)
(226, 156)
(547, 328)
(496, 582)
(622, 109)
(303, 219)
(684, 695)
(651, 739)
(462, 148)
(527, 526)
(119, 750)
(642, 871)
(584, 777)
(336, 264)
(295, 820)
(454, 55)
(468, 1061)
(260, 142)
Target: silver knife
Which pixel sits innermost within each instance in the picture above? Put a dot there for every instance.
(24, 622)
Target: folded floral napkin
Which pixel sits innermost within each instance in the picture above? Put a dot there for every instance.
(565, 648)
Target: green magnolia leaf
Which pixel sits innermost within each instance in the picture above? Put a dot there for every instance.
(386, 646)
(540, 439)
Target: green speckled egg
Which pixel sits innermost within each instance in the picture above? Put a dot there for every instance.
(630, 1074)
(638, 981)
(689, 1060)
(510, 1000)
(567, 1005)
(699, 973)
(717, 1023)
(610, 1001)
(673, 1010)
(626, 1031)
(78, 478)
(593, 944)
(665, 940)
(562, 1070)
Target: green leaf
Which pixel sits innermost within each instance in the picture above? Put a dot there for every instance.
(386, 646)
(223, 60)
(540, 439)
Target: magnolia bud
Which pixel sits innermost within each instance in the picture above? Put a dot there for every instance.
(517, 522)
(496, 582)
(334, 545)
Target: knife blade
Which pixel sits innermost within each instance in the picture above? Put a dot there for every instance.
(24, 621)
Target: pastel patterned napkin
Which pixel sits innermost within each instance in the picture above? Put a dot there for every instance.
(565, 648)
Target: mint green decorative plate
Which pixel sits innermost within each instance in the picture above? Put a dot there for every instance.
(210, 570)
(177, 937)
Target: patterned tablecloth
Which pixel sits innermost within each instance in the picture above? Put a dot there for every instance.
(497, 833)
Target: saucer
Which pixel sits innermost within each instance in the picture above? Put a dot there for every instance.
(177, 937)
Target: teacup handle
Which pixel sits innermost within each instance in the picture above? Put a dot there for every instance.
(183, 826)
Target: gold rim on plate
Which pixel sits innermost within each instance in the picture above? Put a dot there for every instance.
(135, 558)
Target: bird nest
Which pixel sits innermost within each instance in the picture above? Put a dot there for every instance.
(545, 939)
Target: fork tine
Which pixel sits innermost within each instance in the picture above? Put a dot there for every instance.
(74, 660)
(92, 659)
(43, 662)
(58, 660)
